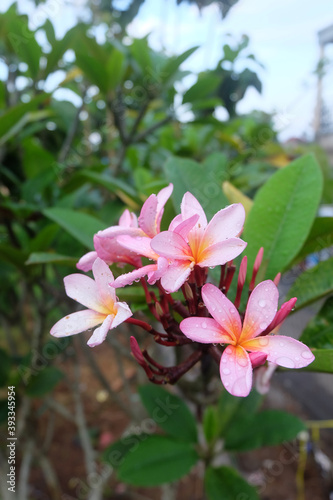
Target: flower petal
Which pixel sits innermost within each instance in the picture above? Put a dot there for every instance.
(171, 245)
(281, 350)
(185, 226)
(139, 245)
(204, 330)
(176, 275)
(85, 291)
(129, 278)
(225, 224)
(103, 276)
(161, 267)
(221, 252)
(147, 217)
(76, 323)
(123, 312)
(236, 371)
(86, 261)
(108, 248)
(260, 310)
(101, 332)
(222, 310)
(190, 206)
(128, 219)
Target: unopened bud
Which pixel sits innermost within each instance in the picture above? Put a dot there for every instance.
(256, 266)
(159, 309)
(188, 291)
(277, 278)
(136, 351)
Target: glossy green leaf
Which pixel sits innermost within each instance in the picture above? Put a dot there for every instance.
(44, 381)
(116, 452)
(169, 412)
(157, 460)
(78, 224)
(50, 258)
(203, 180)
(313, 284)
(320, 237)
(282, 214)
(319, 331)
(323, 361)
(267, 428)
(224, 483)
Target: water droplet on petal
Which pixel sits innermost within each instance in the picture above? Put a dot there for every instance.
(204, 324)
(242, 361)
(226, 371)
(286, 362)
(262, 302)
(263, 341)
(224, 360)
(281, 344)
(263, 325)
(232, 311)
(307, 354)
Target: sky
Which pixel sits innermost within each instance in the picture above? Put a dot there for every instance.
(283, 37)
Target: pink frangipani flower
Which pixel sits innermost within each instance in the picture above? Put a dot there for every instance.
(101, 301)
(225, 327)
(106, 242)
(197, 242)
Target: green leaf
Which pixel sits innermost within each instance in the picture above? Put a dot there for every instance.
(142, 54)
(211, 425)
(173, 63)
(4, 367)
(203, 88)
(115, 67)
(319, 331)
(14, 114)
(225, 483)
(50, 258)
(202, 180)
(157, 460)
(24, 45)
(12, 255)
(59, 47)
(231, 408)
(282, 214)
(44, 381)
(169, 412)
(125, 192)
(313, 284)
(267, 428)
(79, 225)
(320, 237)
(323, 361)
(116, 452)
(35, 158)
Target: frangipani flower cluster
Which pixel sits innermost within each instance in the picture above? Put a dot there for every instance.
(181, 258)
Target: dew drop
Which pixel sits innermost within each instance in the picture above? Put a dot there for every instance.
(242, 361)
(213, 308)
(226, 384)
(263, 325)
(286, 362)
(262, 302)
(307, 354)
(232, 311)
(226, 371)
(297, 358)
(263, 341)
(281, 344)
(204, 324)
(224, 360)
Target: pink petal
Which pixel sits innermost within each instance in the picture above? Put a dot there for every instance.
(260, 310)
(129, 278)
(128, 219)
(85, 291)
(221, 252)
(103, 276)
(225, 224)
(147, 218)
(204, 330)
(236, 371)
(263, 377)
(139, 245)
(161, 267)
(162, 198)
(86, 261)
(185, 226)
(171, 245)
(123, 312)
(190, 206)
(101, 332)
(76, 323)
(109, 250)
(222, 310)
(281, 350)
(176, 275)
(282, 313)
(175, 222)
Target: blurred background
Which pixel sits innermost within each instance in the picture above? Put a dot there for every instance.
(103, 102)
